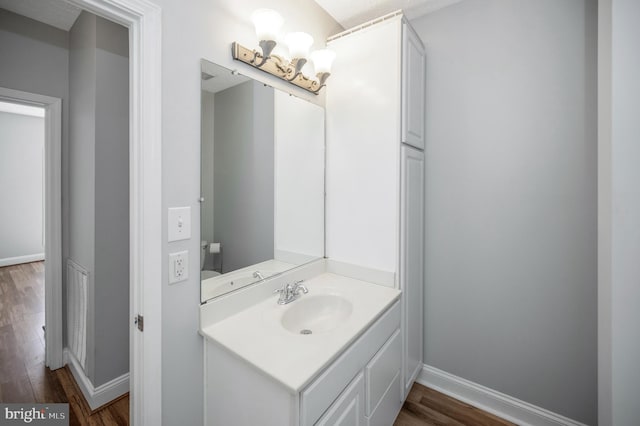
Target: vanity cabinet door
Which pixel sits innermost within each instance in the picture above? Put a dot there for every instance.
(381, 371)
(413, 88)
(348, 409)
(412, 261)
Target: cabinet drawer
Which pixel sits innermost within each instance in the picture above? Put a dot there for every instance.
(390, 404)
(348, 410)
(318, 396)
(382, 369)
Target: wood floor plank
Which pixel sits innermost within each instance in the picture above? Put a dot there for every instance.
(458, 410)
(406, 419)
(429, 416)
(425, 406)
(17, 390)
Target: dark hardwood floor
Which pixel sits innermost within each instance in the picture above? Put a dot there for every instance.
(23, 375)
(425, 406)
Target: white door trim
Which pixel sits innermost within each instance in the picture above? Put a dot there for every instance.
(143, 18)
(53, 217)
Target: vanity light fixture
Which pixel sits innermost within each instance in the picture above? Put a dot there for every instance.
(299, 44)
(268, 24)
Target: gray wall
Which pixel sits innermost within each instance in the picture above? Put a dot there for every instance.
(112, 201)
(206, 175)
(243, 174)
(511, 273)
(35, 59)
(82, 124)
(21, 185)
(619, 211)
(99, 187)
(212, 27)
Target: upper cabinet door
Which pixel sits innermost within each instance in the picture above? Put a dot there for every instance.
(413, 88)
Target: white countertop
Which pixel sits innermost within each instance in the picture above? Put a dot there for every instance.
(256, 335)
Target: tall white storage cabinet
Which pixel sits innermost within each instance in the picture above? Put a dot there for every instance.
(375, 165)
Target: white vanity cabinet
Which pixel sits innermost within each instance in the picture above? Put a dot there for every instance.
(375, 131)
(361, 387)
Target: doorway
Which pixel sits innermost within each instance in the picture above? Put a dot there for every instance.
(143, 20)
(52, 216)
(22, 239)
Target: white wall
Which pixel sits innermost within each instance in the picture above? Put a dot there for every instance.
(511, 290)
(619, 212)
(21, 188)
(299, 179)
(204, 29)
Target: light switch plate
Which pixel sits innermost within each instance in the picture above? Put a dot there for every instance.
(178, 267)
(179, 223)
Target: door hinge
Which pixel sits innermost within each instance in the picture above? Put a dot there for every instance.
(140, 321)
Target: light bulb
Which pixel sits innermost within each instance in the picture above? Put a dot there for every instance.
(299, 44)
(322, 60)
(268, 23)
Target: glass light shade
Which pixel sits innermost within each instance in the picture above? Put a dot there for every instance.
(322, 60)
(298, 44)
(268, 23)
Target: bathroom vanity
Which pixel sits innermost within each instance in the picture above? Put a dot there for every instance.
(348, 351)
(331, 357)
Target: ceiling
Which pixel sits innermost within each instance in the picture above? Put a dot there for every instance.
(62, 15)
(355, 12)
(57, 13)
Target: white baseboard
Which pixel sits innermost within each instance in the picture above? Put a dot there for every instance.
(21, 259)
(504, 406)
(103, 394)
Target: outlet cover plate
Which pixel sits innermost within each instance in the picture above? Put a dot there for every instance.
(179, 219)
(178, 267)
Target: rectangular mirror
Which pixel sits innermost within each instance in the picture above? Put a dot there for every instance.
(262, 181)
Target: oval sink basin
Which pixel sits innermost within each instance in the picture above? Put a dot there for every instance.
(316, 314)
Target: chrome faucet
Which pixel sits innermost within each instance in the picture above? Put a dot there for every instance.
(290, 292)
(257, 274)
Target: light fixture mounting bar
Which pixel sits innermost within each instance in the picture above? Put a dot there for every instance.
(276, 66)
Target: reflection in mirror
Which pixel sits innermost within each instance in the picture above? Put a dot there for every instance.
(262, 181)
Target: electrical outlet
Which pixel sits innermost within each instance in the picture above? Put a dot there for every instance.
(178, 267)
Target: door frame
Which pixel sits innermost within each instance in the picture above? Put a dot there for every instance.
(143, 19)
(53, 217)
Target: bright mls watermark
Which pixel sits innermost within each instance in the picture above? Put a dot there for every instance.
(36, 414)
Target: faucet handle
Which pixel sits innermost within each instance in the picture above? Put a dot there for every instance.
(284, 290)
(297, 286)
